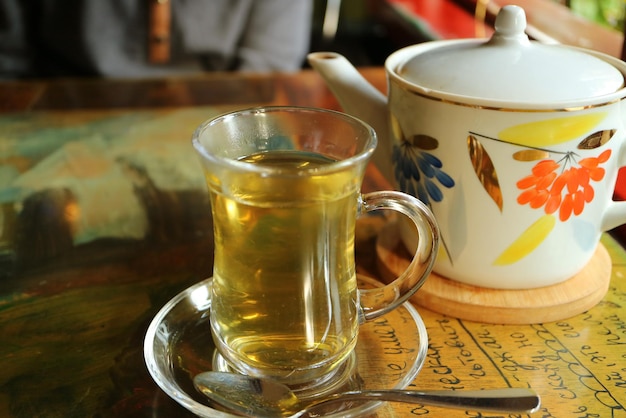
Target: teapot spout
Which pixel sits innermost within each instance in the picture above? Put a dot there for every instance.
(358, 98)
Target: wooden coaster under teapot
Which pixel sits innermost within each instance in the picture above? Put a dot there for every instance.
(498, 306)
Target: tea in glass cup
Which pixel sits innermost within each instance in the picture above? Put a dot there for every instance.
(284, 186)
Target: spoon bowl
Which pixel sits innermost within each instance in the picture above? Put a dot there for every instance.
(259, 397)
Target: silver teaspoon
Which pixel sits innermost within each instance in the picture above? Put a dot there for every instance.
(258, 397)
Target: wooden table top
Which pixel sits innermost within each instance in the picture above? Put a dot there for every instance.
(103, 220)
(304, 88)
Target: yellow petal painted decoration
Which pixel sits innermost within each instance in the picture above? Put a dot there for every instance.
(545, 133)
(396, 130)
(527, 242)
(442, 254)
(485, 170)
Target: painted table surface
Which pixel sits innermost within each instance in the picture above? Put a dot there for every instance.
(105, 217)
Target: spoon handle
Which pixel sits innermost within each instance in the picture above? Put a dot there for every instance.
(501, 400)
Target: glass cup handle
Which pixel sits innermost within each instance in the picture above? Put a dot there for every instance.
(377, 302)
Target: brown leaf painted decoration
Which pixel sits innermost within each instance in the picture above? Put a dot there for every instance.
(531, 155)
(596, 139)
(485, 170)
(424, 142)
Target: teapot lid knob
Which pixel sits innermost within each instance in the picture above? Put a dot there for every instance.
(510, 26)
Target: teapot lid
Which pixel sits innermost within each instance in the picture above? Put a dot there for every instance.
(511, 67)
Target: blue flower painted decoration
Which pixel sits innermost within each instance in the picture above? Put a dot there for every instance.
(419, 172)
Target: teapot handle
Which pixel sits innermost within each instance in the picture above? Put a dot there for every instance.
(614, 216)
(615, 213)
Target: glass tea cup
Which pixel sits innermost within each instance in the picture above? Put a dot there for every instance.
(284, 185)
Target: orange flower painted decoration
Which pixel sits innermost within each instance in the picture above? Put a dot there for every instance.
(566, 192)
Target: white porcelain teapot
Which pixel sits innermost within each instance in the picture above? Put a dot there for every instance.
(515, 146)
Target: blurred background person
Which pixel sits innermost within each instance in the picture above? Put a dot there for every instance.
(151, 38)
